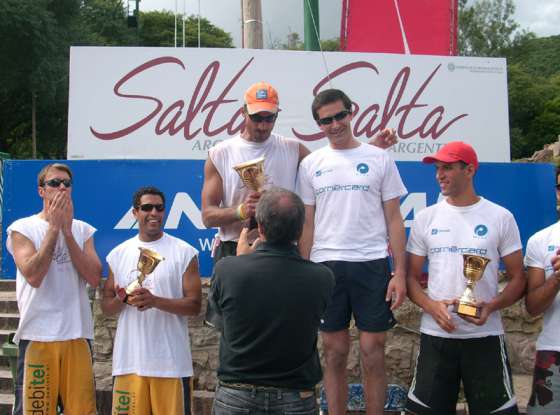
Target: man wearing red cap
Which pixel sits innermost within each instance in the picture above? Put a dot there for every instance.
(453, 347)
(226, 203)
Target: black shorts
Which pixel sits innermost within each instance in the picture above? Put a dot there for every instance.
(360, 290)
(481, 363)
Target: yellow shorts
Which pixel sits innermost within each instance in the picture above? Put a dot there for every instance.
(53, 371)
(146, 395)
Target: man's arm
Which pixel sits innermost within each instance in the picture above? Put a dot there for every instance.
(437, 309)
(188, 305)
(512, 292)
(303, 152)
(111, 303)
(397, 240)
(306, 240)
(212, 196)
(34, 264)
(541, 291)
(85, 261)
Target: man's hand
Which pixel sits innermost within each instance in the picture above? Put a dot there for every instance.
(440, 313)
(243, 246)
(485, 311)
(250, 204)
(384, 139)
(56, 210)
(68, 215)
(121, 294)
(396, 291)
(143, 299)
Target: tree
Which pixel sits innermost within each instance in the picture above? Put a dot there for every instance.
(487, 28)
(157, 28)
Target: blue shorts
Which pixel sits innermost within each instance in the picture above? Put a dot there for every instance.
(360, 291)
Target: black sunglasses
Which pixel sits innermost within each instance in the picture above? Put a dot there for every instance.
(339, 117)
(260, 118)
(148, 207)
(57, 182)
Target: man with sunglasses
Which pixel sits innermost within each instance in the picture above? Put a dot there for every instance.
(351, 193)
(152, 360)
(56, 260)
(225, 202)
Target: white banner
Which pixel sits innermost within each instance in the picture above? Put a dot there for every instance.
(167, 103)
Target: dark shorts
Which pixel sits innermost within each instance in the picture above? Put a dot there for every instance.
(360, 290)
(482, 364)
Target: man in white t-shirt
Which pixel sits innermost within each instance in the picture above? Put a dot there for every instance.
(453, 347)
(543, 274)
(351, 193)
(56, 259)
(226, 202)
(152, 360)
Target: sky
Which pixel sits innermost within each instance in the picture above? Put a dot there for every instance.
(281, 17)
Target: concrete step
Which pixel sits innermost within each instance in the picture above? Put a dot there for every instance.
(7, 285)
(6, 402)
(6, 381)
(8, 302)
(9, 321)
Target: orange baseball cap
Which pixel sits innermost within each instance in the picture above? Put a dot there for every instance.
(261, 97)
(454, 151)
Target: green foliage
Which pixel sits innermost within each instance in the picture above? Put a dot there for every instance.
(295, 43)
(487, 28)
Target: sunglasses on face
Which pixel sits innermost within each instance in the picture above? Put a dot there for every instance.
(263, 118)
(338, 117)
(148, 207)
(57, 182)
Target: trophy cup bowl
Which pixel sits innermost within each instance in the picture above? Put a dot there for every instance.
(253, 177)
(473, 270)
(147, 263)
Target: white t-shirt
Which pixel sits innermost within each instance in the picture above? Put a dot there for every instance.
(152, 342)
(541, 247)
(443, 233)
(59, 309)
(348, 188)
(281, 157)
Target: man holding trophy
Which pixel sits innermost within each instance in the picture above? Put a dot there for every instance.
(464, 237)
(154, 284)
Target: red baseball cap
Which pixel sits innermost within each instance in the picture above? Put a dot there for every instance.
(452, 152)
(261, 97)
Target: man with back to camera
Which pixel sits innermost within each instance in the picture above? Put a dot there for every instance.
(226, 203)
(543, 284)
(271, 301)
(352, 196)
(55, 259)
(467, 349)
(152, 360)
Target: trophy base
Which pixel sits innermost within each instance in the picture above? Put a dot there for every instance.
(466, 309)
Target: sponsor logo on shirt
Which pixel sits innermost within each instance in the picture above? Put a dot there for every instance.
(480, 231)
(362, 168)
(322, 172)
(551, 248)
(342, 188)
(435, 231)
(458, 250)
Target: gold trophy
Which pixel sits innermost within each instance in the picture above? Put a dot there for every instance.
(473, 269)
(147, 263)
(253, 177)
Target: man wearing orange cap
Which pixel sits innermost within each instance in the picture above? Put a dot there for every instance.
(226, 203)
(453, 347)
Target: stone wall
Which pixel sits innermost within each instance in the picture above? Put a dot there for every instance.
(401, 350)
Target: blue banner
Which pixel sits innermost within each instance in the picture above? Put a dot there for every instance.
(103, 189)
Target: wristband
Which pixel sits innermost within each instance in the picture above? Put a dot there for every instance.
(239, 212)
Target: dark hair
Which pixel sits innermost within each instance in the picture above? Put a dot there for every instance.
(53, 166)
(281, 215)
(328, 96)
(146, 190)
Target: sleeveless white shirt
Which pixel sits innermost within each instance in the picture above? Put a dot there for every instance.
(280, 166)
(152, 342)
